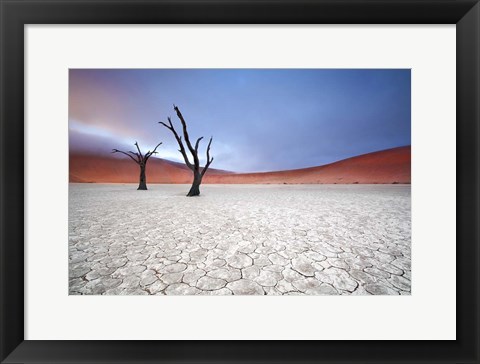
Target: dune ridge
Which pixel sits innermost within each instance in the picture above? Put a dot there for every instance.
(382, 167)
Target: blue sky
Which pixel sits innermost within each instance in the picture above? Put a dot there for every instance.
(260, 119)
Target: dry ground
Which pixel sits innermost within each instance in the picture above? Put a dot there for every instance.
(240, 239)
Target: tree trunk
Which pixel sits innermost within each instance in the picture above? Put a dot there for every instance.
(143, 179)
(195, 189)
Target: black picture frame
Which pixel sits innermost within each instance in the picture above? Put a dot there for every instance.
(15, 14)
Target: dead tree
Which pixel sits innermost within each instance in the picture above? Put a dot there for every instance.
(195, 167)
(141, 160)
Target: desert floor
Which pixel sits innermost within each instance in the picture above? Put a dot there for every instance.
(240, 239)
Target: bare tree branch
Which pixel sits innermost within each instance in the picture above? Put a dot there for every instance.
(141, 155)
(209, 161)
(149, 154)
(196, 145)
(208, 149)
(155, 150)
(167, 126)
(179, 141)
(136, 155)
(128, 155)
(187, 137)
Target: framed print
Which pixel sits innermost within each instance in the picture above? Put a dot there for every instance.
(239, 181)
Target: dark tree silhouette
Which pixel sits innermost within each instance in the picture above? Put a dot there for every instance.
(195, 167)
(141, 160)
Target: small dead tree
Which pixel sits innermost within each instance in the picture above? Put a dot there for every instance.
(195, 167)
(141, 160)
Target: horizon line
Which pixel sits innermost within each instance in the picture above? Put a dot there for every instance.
(254, 172)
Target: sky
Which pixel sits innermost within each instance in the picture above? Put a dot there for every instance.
(260, 119)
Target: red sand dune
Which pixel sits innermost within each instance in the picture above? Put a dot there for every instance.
(387, 166)
(86, 168)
